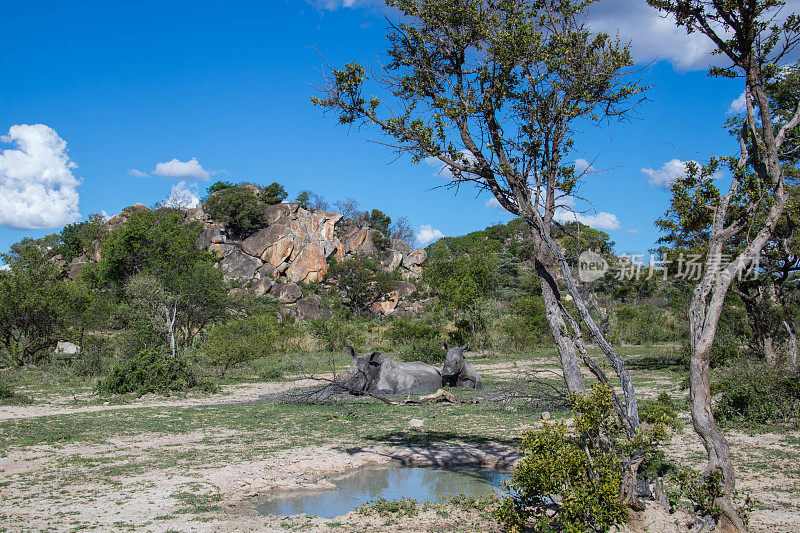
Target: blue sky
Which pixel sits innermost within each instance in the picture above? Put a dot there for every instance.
(129, 85)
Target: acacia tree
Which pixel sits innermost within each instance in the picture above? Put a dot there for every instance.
(742, 220)
(495, 91)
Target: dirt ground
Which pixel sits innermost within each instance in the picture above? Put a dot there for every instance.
(200, 463)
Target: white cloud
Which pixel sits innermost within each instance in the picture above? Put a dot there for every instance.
(566, 212)
(652, 35)
(602, 221)
(664, 177)
(494, 203)
(182, 170)
(37, 188)
(333, 5)
(427, 234)
(5, 267)
(581, 166)
(183, 196)
(442, 170)
(137, 173)
(738, 105)
(632, 231)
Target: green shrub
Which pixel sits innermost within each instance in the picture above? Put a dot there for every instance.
(569, 482)
(384, 507)
(335, 333)
(7, 394)
(430, 352)
(417, 339)
(231, 343)
(527, 325)
(700, 490)
(752, 392)
(645, 324)
(93, 357)
(662, 410)
(6, 389)
(403, 331)
(473, 503)
(239, 208)
(150, 371)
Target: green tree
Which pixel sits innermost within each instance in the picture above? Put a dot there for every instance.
(495, 90)
(169, 285)
(34, 299)
(304, 199)
(231, 343)
(461, 273)
(362, 281)
(81, 238)
(274, 193)
(380, 221)
(160, 243)
(240, 208)
(173, 311)
(740, 221)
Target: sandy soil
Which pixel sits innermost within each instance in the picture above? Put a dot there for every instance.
(61, 405)
(156, 500)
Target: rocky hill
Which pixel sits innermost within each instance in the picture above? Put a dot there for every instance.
(296, 246)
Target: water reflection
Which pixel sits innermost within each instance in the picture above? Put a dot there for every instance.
(356, 489)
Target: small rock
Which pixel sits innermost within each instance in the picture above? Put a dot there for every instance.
(546, 415)
(416, 423)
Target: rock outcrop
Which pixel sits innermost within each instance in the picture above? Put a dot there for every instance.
(296, 247)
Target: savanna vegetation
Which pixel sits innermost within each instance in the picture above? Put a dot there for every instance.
(625, 362)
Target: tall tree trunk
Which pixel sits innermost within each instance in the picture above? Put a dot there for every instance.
(703, 320)
(541, 231)
(768, 345)
(558, 329)
(704, 314)
(792, 346)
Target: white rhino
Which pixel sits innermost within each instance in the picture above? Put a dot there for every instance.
(380, 374)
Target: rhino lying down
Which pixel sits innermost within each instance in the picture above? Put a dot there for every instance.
(380, 374)
(457, 371)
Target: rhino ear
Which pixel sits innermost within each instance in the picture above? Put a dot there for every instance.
(351, 351)
(374, 355)
(444, 346)
(465, 348)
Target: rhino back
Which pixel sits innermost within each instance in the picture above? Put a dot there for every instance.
(404, 378)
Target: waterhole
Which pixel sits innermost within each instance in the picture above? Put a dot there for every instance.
(356, 489)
